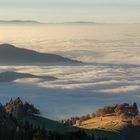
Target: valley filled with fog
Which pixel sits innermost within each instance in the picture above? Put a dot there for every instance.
(110, 74)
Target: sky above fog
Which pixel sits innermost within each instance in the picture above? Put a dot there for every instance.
(71, 10)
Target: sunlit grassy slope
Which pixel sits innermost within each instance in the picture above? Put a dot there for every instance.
(108, 122)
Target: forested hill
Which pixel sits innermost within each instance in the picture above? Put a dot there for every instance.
(22, 121)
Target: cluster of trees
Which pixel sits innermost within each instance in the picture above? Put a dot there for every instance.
(29, 108)
(73, 120)
(125, 110)
(70, 121)
(136, 121)
(18, 109)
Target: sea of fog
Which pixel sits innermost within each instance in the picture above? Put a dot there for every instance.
(111, 75)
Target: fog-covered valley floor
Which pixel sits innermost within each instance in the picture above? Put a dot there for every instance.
(111, 75)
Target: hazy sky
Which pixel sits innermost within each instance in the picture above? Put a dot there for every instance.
(71, 10)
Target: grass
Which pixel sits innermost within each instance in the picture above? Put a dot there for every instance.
(108, 122)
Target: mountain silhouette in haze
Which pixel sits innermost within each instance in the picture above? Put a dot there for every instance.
(11, 55)
(19, 22)
(10, 76)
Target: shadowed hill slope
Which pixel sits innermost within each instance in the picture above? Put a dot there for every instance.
(11, 76)
(12, 55)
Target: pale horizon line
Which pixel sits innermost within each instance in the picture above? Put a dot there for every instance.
(14, 21)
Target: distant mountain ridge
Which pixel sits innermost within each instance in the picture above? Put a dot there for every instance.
(19, 22)
(10, 76)
(82, 22)
(11, 55)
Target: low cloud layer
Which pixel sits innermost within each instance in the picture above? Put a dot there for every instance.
(113, 75)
